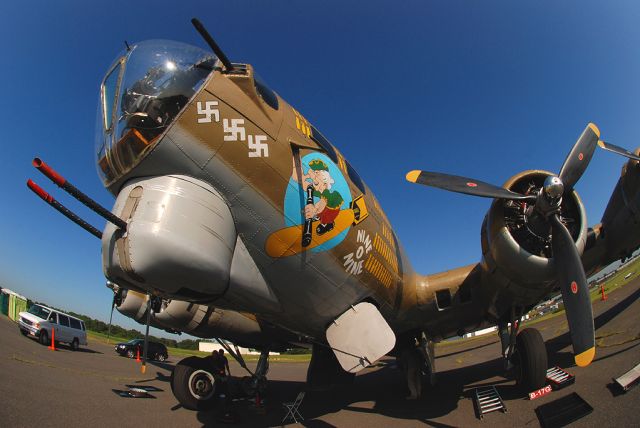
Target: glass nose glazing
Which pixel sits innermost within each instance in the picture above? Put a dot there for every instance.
(140, 96)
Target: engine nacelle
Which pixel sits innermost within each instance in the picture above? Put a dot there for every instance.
(197, 320)
(516, 243)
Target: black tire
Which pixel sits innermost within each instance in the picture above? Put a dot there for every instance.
(193, 384)
(530, 360)
(130, 353)
(75, 344)
(44, 338)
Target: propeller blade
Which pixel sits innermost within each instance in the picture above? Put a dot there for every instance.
(575, 293)
(465, 185)
(143, 369)
(618, 150)
(579, 157)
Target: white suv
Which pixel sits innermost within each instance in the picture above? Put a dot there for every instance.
(39, 321)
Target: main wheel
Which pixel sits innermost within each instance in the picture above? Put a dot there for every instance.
(193, 384)
(530, 360)
(130, 353)
(44, 337)
(75, 345)
(161, 357)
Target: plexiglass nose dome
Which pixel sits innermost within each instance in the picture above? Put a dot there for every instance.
(141, 94)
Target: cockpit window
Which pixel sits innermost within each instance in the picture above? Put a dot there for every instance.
(267, 95)
(108, 95)
(355, 178)
(141, 95)
(324, 143)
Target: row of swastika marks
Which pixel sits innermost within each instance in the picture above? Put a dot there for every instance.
(233, 128)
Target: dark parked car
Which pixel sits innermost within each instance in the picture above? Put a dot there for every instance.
(156, 351)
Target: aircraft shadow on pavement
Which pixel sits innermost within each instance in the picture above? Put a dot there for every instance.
(159, 377)
(165, 365)
(386, 388)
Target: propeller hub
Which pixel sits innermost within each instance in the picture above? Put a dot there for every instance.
(553, 187)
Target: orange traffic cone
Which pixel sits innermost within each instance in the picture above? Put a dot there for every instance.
(138, 355)
(604, 296)
(53, 340)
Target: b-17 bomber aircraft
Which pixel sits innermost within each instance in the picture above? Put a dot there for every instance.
(236, 219)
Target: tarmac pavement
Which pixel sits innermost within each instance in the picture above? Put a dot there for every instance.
(39, 387)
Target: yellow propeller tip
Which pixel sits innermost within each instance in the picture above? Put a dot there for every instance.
(601, 144)
(412, 176)
(595, 129)
(584, 359)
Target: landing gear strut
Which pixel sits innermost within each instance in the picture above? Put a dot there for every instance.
(426, 348)
(257, 383)
(525, 353)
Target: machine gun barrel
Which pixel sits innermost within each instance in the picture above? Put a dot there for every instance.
(62, 209)
(76, 193)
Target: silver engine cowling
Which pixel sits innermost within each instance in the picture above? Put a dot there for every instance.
(179, 241)
(516, 242)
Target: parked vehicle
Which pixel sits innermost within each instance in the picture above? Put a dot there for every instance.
(40, 322)
(135, 347)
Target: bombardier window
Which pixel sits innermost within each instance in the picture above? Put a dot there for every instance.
(108, 94)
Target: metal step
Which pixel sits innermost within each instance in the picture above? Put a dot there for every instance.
(628, 379)
(488, 400)
(558, 378)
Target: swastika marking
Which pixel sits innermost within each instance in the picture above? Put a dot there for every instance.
(257, 148)
(235, 131)
(208, 111)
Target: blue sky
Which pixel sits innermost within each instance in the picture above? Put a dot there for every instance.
(483, 89)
